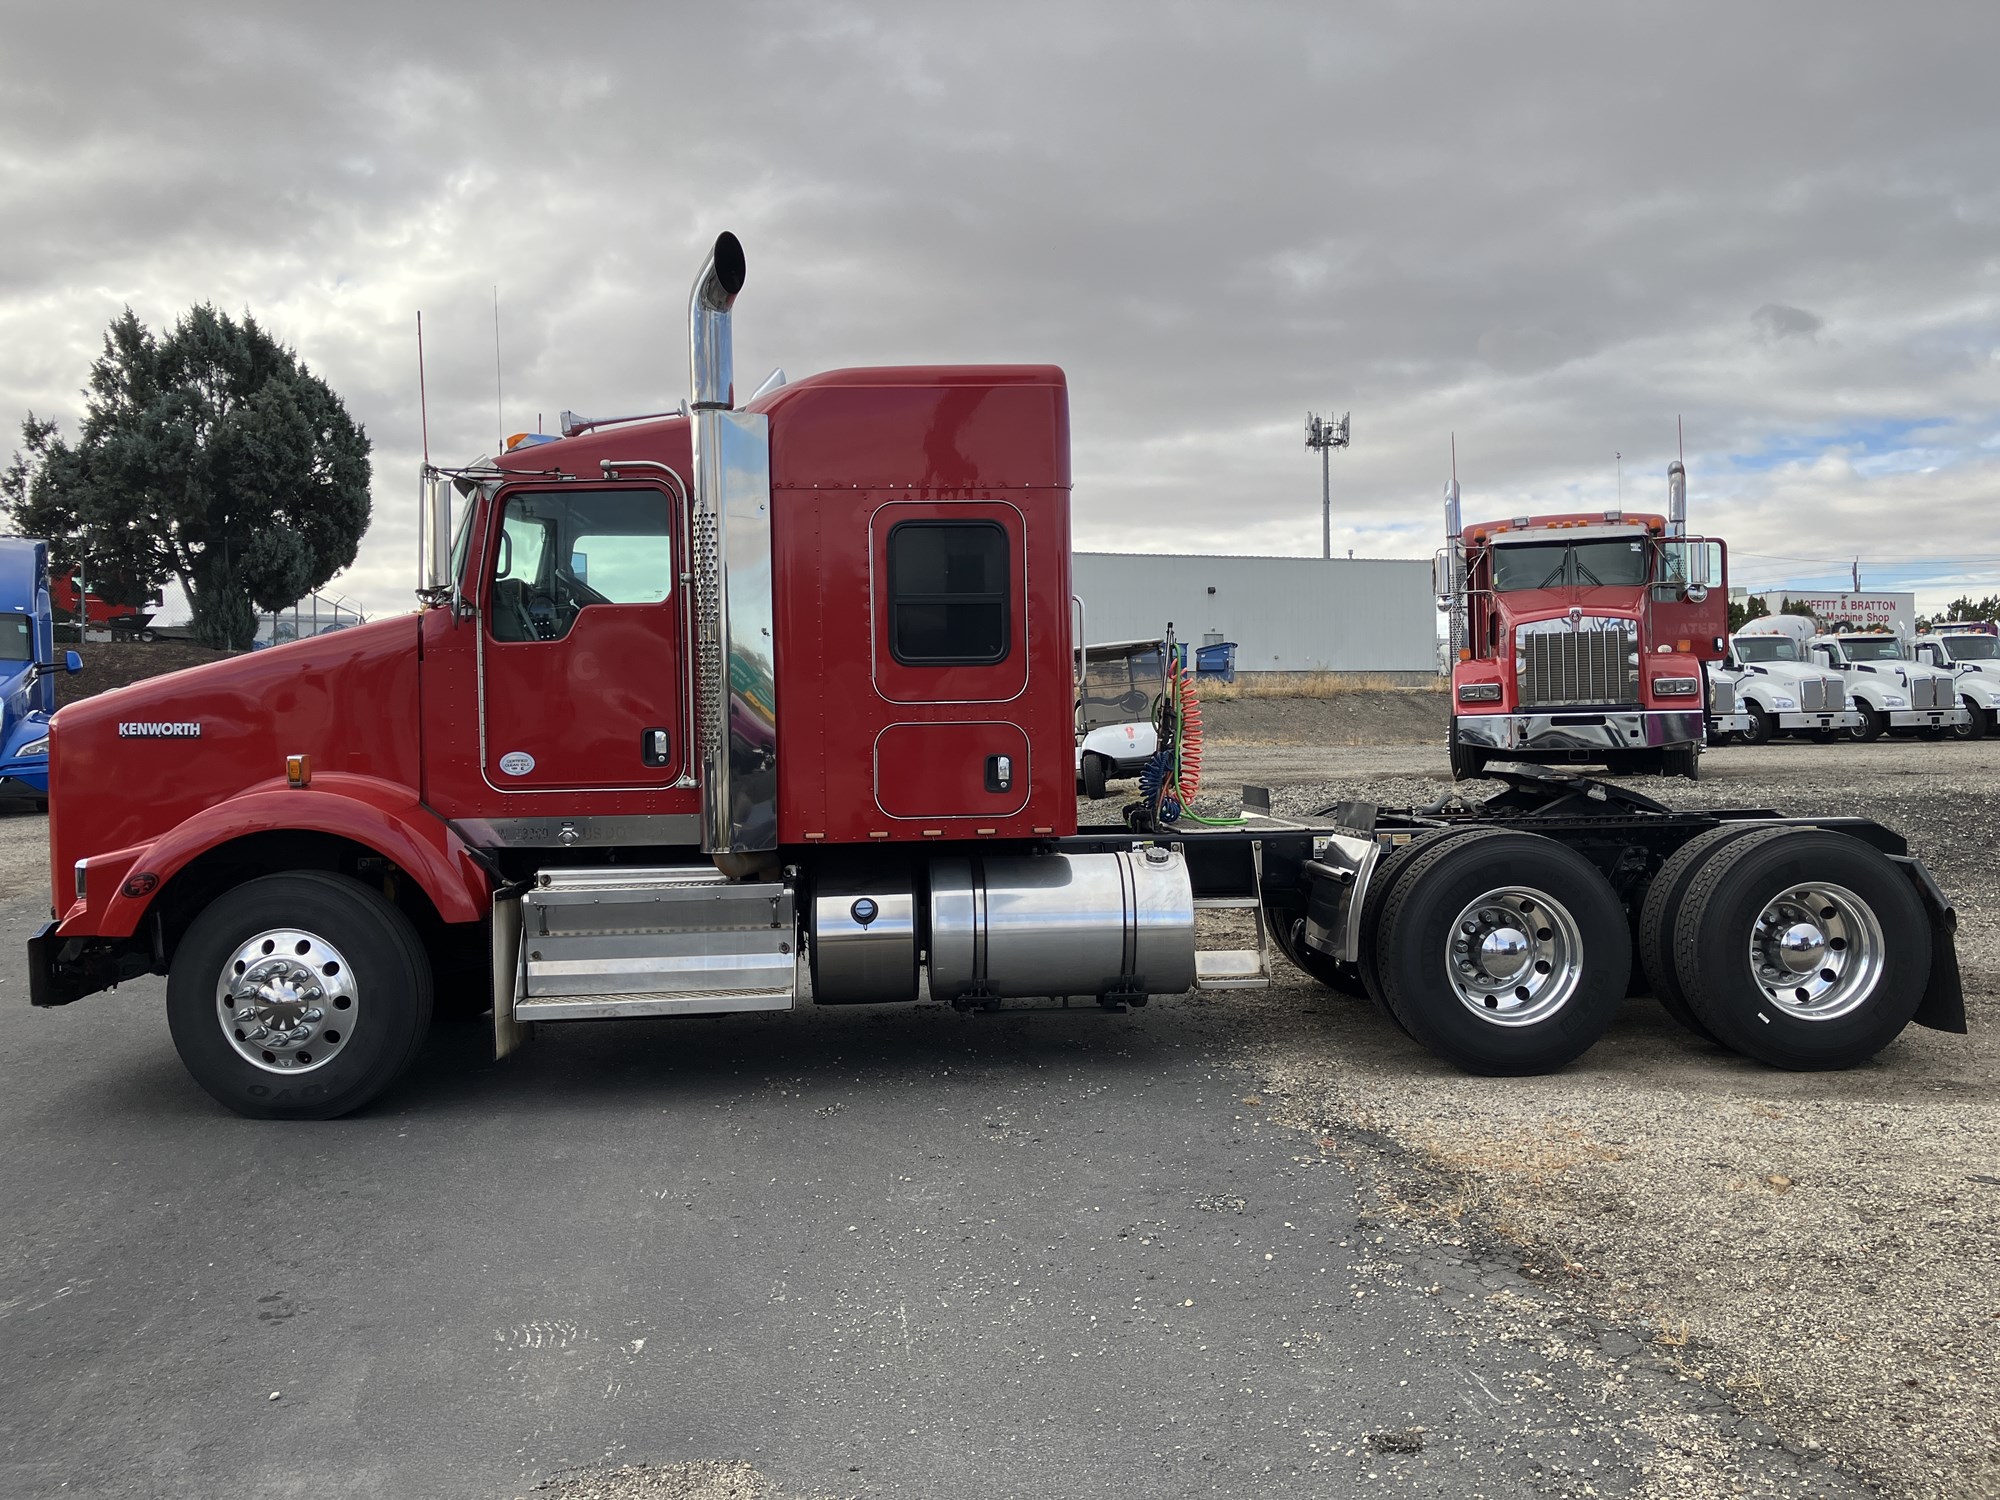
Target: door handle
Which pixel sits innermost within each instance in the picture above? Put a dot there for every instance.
(999, 773)
(656, 747)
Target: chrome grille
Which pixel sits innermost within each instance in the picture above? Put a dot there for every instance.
(1722, 697)
(1924, 693)
(1813, 694)
(1563, 666)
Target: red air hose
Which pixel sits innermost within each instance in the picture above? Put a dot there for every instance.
(1187, 770)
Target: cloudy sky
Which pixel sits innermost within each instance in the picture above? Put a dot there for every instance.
(1548, 228)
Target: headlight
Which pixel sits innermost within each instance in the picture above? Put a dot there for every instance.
(35, 747)
(1479, 692)
(1670, 687)
(1785, 704)
(1895, 700)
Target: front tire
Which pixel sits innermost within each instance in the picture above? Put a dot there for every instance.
(1874, 724)
(1762, 725)
(1468, 762)
(298, 997)
(1506, 954)
(1095, 775)
(1975, 726)
(1681, 760)
(1804, 949)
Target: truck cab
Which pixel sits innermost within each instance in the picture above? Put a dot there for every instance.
(1779, 688)
(1583, 638)
(1888, 687)
(1970, 651)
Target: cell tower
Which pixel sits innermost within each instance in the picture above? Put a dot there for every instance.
(1325, 434)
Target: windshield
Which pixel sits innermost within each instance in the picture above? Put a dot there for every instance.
(1973, 647)
(1548, 565)
(1122, 689)
(1872, 647)
(1765, 648)
(17, 638)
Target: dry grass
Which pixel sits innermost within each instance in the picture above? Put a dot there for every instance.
(1304, 685)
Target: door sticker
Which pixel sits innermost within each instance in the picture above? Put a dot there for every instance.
(517, 763)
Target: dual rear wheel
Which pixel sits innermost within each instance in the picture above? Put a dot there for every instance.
(1505, 952)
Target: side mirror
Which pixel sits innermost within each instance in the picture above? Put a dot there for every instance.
(1697, 593)
(72, 662)
(1441, 576)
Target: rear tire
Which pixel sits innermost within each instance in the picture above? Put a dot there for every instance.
(1659, 916)
(1468, 762)
(1482, 953)
(1762, 725)
(1771, 906)
(363, 970)
(1975, 725)
(1343, 978)
(1874, 724)
(1095, 769)
(1389, 869)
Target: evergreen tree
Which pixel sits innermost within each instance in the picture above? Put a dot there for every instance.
(213, 456)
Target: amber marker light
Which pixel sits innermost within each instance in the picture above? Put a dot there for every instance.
(298, 770)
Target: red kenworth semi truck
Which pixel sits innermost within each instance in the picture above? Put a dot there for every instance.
(1583, 638)
(725, 710)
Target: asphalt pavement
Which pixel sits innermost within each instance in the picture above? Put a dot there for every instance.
(867, 1252)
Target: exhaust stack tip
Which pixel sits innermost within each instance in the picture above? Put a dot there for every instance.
(711, 372)
(730, 267)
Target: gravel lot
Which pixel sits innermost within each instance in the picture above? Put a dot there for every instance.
(1664, 1272)
(1823, 1246)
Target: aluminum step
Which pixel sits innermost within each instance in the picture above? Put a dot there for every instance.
(672, 940)
(1233, 968)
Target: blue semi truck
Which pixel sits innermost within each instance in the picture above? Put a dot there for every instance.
(27, 658)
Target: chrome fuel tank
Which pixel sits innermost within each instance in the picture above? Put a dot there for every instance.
(864, 940)
(1062, 924)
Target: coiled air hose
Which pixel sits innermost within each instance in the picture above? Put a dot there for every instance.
(1170, 780)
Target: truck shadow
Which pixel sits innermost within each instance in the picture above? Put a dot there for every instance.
(618, 1063)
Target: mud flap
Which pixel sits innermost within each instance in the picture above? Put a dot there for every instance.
(1943, 1005)
(508, 1033)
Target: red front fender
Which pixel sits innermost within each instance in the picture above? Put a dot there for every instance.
(382, 815)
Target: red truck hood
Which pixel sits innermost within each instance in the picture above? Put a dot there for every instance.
(1522, 606)
(129, 765)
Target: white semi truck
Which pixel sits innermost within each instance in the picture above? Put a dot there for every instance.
(1970, 651)
(1887, 687)
(1778, 688)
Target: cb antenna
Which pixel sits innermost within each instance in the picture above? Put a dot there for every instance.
(499, 437)
(423, 399)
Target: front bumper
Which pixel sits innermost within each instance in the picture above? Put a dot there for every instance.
(24, 780)
(1579, 732)
(1927, 718)
(1845, 719)
(1728, 724)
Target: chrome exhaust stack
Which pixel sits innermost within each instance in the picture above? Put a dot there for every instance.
(711, 364)
(1677, 499)
(730, 560)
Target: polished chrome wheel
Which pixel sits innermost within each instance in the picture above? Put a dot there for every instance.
(286, 1001)
(1514, 956)
(1817, 951)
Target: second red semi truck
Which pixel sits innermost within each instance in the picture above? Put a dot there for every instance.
(760, 703)
(1583, 638)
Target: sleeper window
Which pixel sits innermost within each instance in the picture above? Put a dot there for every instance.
(948, 592)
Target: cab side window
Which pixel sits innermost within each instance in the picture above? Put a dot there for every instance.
(948, 593)
(561, 552)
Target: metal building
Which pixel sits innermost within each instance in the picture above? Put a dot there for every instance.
(1286, 614)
